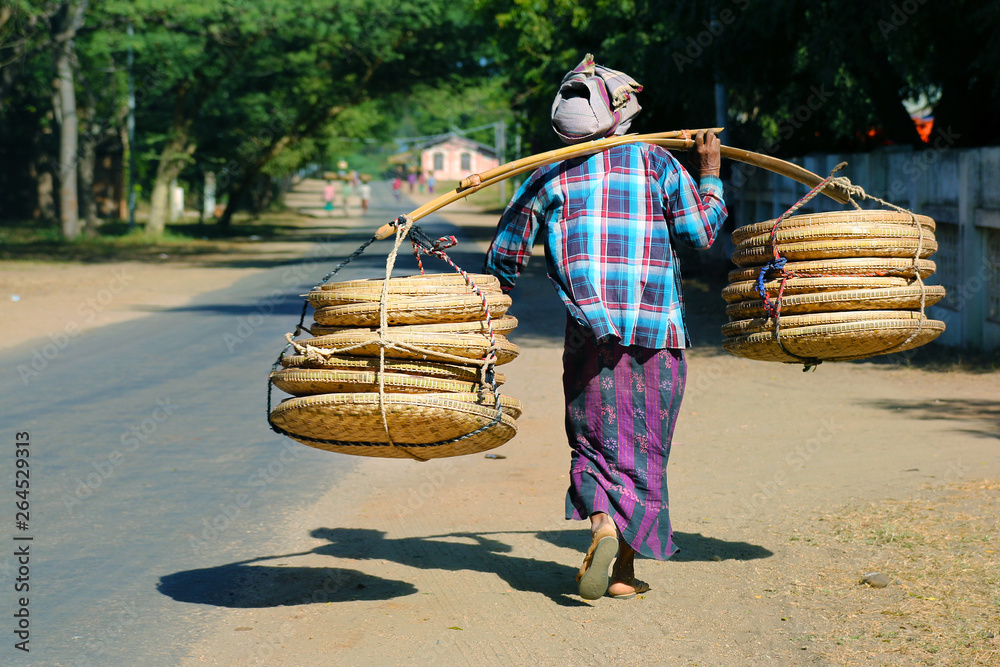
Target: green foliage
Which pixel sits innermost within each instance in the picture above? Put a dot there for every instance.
(800, 76)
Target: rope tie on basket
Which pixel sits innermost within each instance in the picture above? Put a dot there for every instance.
(777, 264)
(422, 245)
(859, 192)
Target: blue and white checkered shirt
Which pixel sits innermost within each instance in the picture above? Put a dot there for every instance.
(608, 223)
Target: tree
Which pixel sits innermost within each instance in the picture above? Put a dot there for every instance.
(800, 76)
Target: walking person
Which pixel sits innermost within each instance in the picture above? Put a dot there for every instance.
(366, 195)
(430, 183)
(609, 223)
(329, 195)
(397, 183)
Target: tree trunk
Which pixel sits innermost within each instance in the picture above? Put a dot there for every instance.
(65, 24)
(237, 195)
(88, 203)
(68, 138)
(173, 159)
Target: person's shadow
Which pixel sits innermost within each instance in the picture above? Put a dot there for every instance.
(246, 584)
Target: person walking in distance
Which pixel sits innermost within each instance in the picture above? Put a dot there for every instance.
(366, 195)
(609, 223)
(329, 195)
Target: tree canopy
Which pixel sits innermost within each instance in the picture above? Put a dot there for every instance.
(252, 90)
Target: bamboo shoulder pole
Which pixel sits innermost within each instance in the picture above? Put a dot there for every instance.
(675, 140)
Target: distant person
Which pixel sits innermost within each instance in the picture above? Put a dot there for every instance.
(421, 181)
(412, 180)
(397, 183)
(430, 183)
(366, 195)
(609, 223)
(329, 194)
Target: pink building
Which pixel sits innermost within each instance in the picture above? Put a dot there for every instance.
(454, 157)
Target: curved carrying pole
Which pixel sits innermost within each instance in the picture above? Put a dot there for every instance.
(675, 140)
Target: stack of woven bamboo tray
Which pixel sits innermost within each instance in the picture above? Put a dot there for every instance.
(851, 287)
(427, 398)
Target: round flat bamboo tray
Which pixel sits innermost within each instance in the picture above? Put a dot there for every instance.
(416, 421)
(762, 324)
(509, 405)
(859, 266)
(823, 232)
(892, 298)
(310, 381)
(322, 297)
(418, 310)
(469, 346)
(836, 342)
(747, 290)
(370, 365)
(408, 284)
(836, 248)
(835, 218)
(501, 325)
(364, 364)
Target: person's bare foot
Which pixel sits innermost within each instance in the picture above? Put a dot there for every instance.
(628, 588)
(623, 582)
(593, 576)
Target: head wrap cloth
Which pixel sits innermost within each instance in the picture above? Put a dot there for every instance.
(594, 102)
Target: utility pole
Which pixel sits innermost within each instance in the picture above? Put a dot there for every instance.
(130, 124)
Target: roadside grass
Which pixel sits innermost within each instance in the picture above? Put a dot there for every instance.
(32, 240)
(941, 552)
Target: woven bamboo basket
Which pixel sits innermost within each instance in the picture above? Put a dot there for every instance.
(763, 324)
(836, 248)
(842, 232)
(433, 346)
(845, 341)
(852, 266)
(413, 284)
(858, 219)
(747, 290)
(310, 381)
(320, 297)
(417, 310)
(892, 298)
(365, 364)
(502, 325)
(352, 424)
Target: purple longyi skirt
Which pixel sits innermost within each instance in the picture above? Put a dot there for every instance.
(621, 406)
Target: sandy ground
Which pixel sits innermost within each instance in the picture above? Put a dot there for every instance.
(786, 488)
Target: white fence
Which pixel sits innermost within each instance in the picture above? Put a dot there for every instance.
(959, 188)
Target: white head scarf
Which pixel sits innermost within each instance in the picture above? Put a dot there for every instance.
(594, 102)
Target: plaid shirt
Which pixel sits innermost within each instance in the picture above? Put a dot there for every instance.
(608, 222)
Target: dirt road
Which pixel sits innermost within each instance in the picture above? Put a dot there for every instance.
(786, 488)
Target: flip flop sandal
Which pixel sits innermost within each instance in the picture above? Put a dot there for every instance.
(638, 586)
(594, 582)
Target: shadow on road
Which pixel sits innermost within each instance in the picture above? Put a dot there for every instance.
(245, 586)
(986, 412)
(694, 546)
